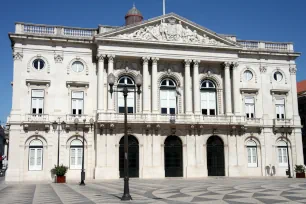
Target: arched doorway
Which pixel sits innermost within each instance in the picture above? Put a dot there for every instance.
(173, 157)
(215, 156)
(133, 157)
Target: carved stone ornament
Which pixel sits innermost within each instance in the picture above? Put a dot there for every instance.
(58, 58)
(101, 57)
(17, 56)
(263, 69)
(170, 31)
(292, 70)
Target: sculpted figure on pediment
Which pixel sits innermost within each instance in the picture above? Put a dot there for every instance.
(170, 31)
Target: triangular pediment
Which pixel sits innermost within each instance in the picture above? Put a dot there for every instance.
(170, 28)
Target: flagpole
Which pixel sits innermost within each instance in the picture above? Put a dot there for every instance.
(164, 7)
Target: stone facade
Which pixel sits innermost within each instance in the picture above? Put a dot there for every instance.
(57, 67)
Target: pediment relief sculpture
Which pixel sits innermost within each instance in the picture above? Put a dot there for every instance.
(170, 31)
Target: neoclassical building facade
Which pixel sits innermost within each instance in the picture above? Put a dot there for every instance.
(210, 104)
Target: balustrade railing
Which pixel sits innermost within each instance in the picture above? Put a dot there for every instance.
(37, 118)
(266, 45)
(54, 30)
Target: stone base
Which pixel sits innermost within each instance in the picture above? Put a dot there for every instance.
(153, 172)
(106, 173)
(196, 171)
(12, 175)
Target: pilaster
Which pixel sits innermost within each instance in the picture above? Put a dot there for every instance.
(227, 82)
(154, 86)
(196, 89)
(110, 98)
(188, 97)
(145, 85)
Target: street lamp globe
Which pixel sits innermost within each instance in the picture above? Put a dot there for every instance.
(76, 121)
(63, 125)
(91, 121)
(111, 79)
(138, 80)
(54, 125)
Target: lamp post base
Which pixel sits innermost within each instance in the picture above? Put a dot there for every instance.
(82, 183)
(126, 197)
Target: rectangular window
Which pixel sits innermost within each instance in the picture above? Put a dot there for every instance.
(252, 156)
(76, 158)
(249, 107)
(280, 108)
(282, 156)
(168, 101)
(208, 102)
(37, 102)
(130, 102)
(35, 159)
(77, 102)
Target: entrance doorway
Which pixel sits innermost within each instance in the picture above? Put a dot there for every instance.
(173, 157)
(215, 156)
(133, 157)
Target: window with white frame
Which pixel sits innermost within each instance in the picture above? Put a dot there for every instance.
(252, 153)
(35, 155)
(130, 99)
(77, 66)
(168, 96)
(277, 76)
(280, 108)
(76, 152)
(208, 98)
(37, 102)
(77, 100)
(249, 107)
(282, 153)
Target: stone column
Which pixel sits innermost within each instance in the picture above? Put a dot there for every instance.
(187, 94)
(145, 85)
(227, 87)
(196, 89)
(110, 97)
(101, 82)
(154, 97)
(236, 94)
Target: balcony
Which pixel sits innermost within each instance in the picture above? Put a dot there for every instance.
(281, 122)
(37, 118)
(253, 121)
(170, 119)
(70, 118)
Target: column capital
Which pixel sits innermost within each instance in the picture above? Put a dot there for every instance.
(196, 62)
(187, 61)
(145, 59)
(292, 70)
(111, 57)
(235, 64)
(226, 64)
(101, 57)
(154, 60)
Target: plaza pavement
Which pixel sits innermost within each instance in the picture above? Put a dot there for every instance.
(178, 191)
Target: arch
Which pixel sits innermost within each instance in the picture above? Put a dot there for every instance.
(283, 140)
(247, 68)
(215, 156)
(173, 156)
(168, 82)
(171, 75)
(253, 139)
(75, 137)
(33, 137)
(36, 142)
(212, 78)
(121, 73)
(206, 84)
(76, 142)
(133, 156)
(282, 72)
(74, 60)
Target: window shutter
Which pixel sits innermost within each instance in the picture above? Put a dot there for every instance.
(72, 157)
(212, 100)
(39, 158)
(172, 99)
(120, 99)
(32, 159)
(79, 157)
(163, 98)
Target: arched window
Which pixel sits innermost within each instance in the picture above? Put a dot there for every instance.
(35, 155)
(129, 82)
(252, 153)
(76, 152)
(168, 96)
(208, 98)
(282, 153)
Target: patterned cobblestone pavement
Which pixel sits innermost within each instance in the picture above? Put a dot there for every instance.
(178, 191)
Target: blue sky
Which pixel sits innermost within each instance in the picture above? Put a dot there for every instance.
(270, 20)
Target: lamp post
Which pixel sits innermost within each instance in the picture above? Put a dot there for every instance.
(58, 126)
(111, 81)
(76, 122)
(286, 130)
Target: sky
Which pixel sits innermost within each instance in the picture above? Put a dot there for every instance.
(268, 20)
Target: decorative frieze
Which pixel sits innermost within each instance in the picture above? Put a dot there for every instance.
(18, 56)
(263, 69)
